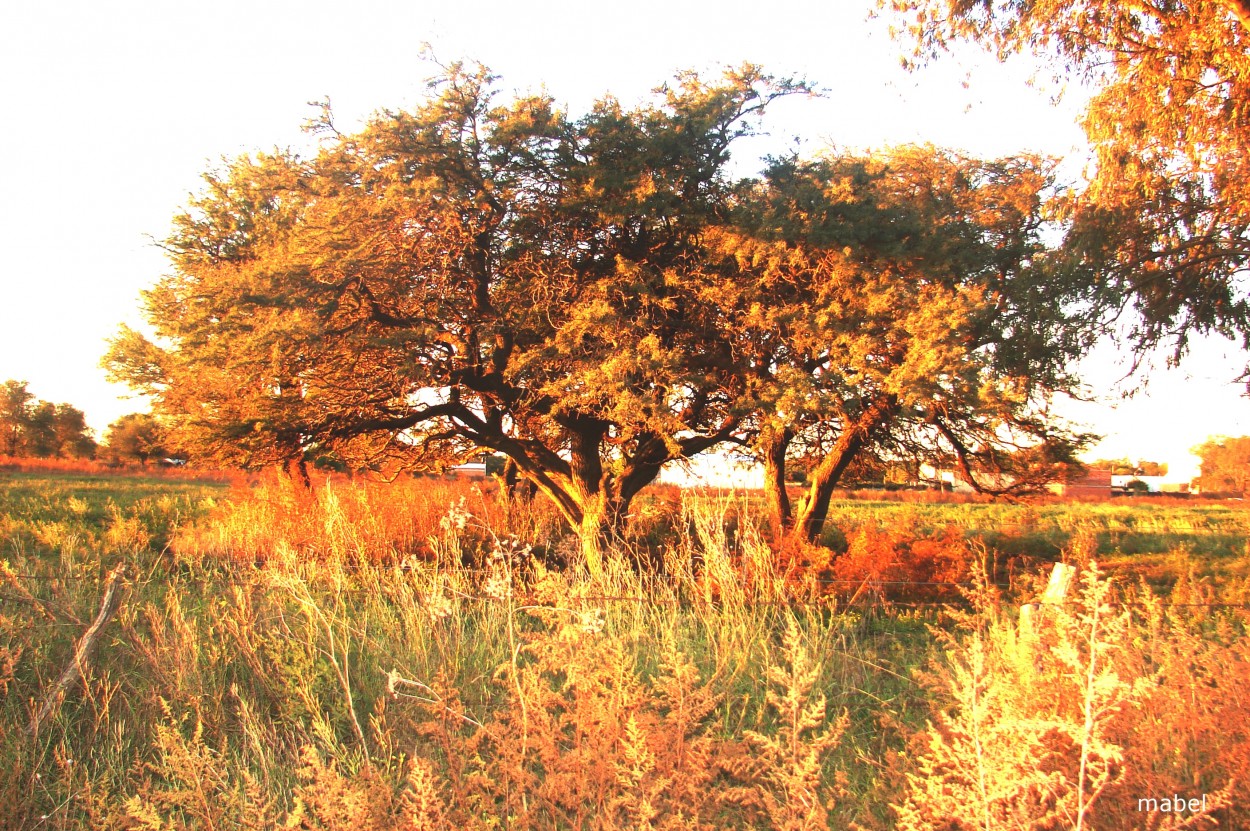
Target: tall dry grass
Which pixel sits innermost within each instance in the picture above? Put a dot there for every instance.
(369, 658)
(1088, 714)
(429, 655)
(368, 522)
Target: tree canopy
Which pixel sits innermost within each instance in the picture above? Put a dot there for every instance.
(597, 297)
(1225, 466)
(136, 437)
(1128, 467)
(904, 304)
(30, 427)
(1169, 200)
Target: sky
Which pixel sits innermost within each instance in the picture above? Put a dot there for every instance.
(110, 112)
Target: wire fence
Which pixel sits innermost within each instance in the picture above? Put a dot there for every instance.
(857, 591)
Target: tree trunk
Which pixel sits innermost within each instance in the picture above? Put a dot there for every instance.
(511, 475)
(591, 491)
(814, 509)
(594, 501)
(594, 538)
(603, 527)
(515, 484)
(296, 472)
(775, 443)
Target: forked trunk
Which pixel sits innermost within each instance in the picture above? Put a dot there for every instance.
(814, 509)
(596, 501)
(296, 472)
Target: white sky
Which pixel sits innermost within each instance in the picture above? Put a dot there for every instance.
(111, 111)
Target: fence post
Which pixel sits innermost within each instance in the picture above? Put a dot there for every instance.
(1056, 590)
(83, 650)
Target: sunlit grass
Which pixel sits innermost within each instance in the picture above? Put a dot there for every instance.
(274, 649)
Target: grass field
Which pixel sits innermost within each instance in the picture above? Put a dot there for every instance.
(409, 656)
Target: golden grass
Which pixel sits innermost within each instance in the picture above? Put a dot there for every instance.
(428, 654)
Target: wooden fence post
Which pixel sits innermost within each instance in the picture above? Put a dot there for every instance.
(79, 664)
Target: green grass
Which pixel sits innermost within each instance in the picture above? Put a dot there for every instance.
(44, 514)
(296, 653)
(1131, 538)
(247, 651)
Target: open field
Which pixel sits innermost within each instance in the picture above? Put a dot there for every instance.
(1159, 539)
(410, 656)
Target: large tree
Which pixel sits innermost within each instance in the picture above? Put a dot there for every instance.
(905, 304)
(466, 275)
(1225, 465)
(1169, 202)
(597, 297)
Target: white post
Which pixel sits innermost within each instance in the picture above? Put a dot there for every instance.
(1056, 590)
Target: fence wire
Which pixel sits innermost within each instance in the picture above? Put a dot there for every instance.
(869, 592)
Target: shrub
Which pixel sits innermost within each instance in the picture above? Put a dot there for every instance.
(1066, 718)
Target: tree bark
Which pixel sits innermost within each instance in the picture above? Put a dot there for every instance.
(296, 472)
(775, 443)
(511, 475)
(814, 509)
(590, 491)
(603, 526)
(516, 485)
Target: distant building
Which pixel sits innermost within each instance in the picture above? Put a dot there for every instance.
(954, 481)
(471, 470)
(1093, 483)
(943, 479)
(1154, 484)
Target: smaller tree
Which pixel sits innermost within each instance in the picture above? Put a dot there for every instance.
(39, 433)
(1127, 467)
(71, 433)
(16, 403)
(30, 427)
(1225, 464)
(1116, 467)
(903, 305)
(136, 437)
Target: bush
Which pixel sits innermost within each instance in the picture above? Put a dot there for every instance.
(1068, 717)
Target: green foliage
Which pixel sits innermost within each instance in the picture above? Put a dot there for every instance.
(137, 437)
(1225, 465)
(1168, 203)
(29, 427)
